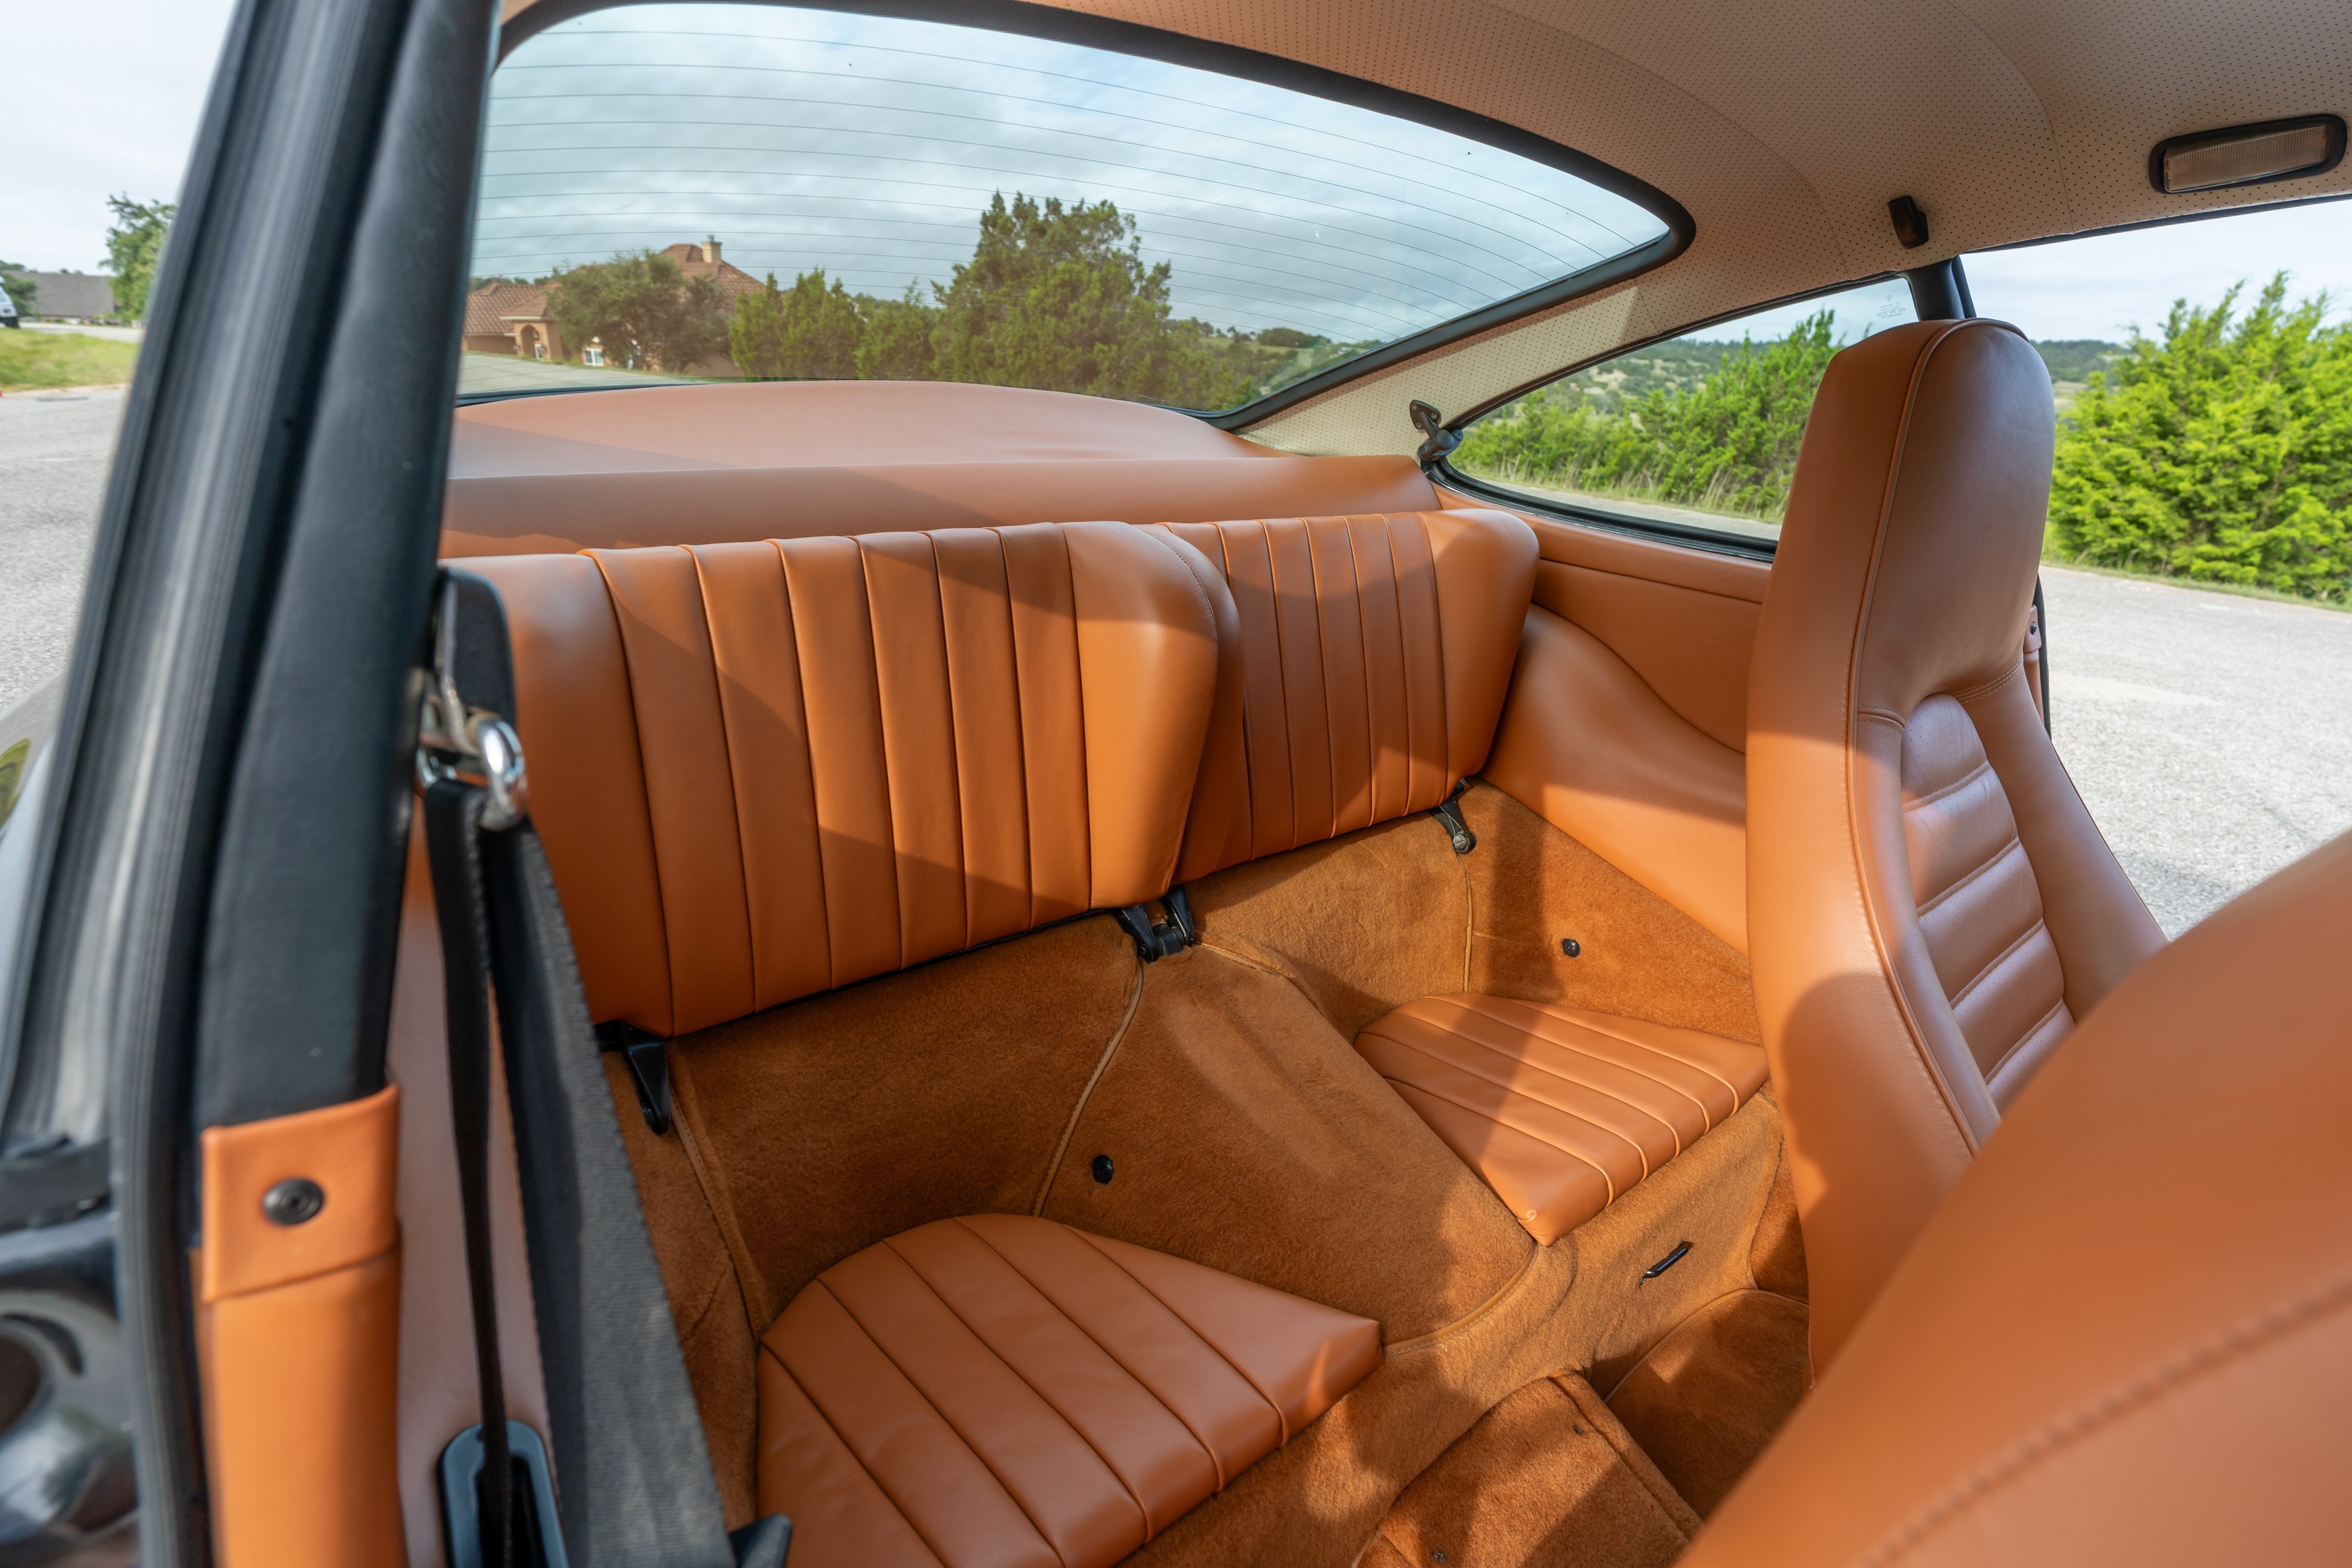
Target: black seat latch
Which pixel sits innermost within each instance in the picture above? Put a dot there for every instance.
(647, 1058)
(1449, 816)
(1155, 940)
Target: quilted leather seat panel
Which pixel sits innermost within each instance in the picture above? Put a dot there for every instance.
(1005, 1390)
(1980, 903)
(839, 757)
(1375, 652)
(1561, 1110)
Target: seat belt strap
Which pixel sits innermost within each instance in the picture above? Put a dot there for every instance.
(633, 1473)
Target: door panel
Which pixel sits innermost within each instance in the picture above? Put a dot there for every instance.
(1626, 726)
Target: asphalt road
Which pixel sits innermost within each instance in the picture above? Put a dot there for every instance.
(53, 452)
(2212, 735)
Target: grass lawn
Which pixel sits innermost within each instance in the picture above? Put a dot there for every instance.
(30, 361)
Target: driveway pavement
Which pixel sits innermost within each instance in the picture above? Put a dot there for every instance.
(53, 453)
(2210, 735)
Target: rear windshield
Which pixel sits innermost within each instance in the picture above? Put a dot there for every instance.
(725, 191)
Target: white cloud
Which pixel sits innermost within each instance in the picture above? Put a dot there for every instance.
(2102, 286)
(103, 96)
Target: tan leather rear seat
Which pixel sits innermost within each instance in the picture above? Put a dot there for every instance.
(1375, 655)
(763, 770)
(1559, 1109)
(1006, 1390)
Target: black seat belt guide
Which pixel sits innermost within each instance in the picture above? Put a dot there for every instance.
(630, 1463)
(1155, 940)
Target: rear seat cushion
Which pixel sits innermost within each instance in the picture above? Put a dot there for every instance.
(1561, 1110)
(764, 770)
(1007, 1390)
(1374, 655)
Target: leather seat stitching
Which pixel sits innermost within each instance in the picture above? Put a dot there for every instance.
(1609, 1094)
(1281, 1416)
(962, 1436)
(1607, 1180)
(1516, 1092)
(807, 749)
(1043, 1397)
(2203, 1359)
(1667, 1085)
(1967, 877)
(1216, 1460)
(1997, 961)
(917, 1389)
(2032, 1031)
(913, 1528)
(1913, 803)
(1661, 1052)
(1372, 707)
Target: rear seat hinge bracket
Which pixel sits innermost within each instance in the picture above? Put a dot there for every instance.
(1155, 940)
(646, 1057)
(1449, 817)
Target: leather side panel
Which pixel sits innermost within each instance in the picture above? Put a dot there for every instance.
(299, 1331)
(1691, 647)
(1593, 750)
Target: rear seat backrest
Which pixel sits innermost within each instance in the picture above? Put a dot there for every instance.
(764, 770)
(1375, 652)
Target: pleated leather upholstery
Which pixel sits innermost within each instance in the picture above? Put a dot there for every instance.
(1001, 1390)
(1980, 903)
(764, 770)
(1375, 652)
(1561, 1110)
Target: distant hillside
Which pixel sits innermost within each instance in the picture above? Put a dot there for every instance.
(2074, 359)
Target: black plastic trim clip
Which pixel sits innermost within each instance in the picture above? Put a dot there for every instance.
(1155, 940)
(647, 1056)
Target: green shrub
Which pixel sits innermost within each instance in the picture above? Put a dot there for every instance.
(1722, 435)
(2221, 451)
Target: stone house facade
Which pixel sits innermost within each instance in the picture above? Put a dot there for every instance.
(503, 317)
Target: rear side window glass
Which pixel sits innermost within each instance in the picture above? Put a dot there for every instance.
(1697, 433)
(730, 191)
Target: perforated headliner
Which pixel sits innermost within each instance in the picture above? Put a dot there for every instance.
(1784, 127)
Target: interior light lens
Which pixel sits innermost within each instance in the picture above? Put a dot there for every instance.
(2247, 154)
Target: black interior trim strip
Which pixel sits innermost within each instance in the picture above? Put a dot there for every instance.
(1036, 21)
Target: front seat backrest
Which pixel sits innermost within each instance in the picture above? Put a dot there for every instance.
(2128, 1335)
(1930, 906)
(1375, 652)
(764, 770)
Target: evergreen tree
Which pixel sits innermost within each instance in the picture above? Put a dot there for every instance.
(134, 246)
(806, 332)
(897, 343)
(1058, 298)
(2221, 452)
(651, 315)
(1727, 441)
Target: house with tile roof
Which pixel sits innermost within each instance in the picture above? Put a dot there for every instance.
(503, 317)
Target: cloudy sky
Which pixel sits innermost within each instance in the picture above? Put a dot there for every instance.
(104, 95)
